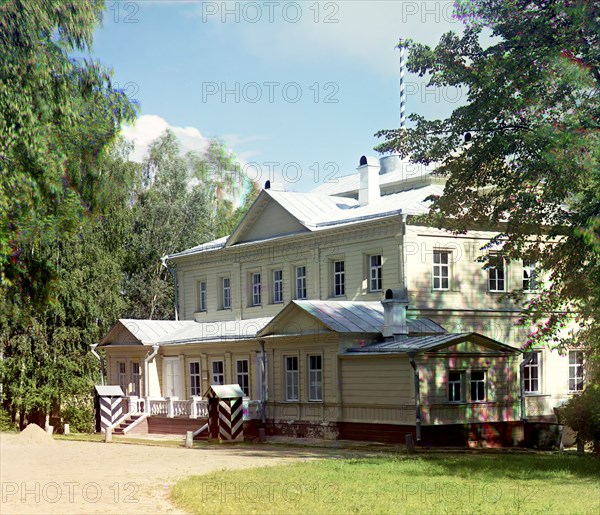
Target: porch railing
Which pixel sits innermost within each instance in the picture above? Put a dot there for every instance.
(191, 408)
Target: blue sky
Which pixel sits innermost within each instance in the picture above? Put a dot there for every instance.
(294, 88)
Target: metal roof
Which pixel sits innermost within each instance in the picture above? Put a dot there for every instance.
(423, 343)
(109, 390)
(353, 317)
(204, 247)
(225, 391)
(169, 332)
(148, 332)
(319, 211)
(350, 184)
(217, 331)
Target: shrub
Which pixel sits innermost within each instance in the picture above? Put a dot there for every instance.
(80, 418)
(6, 425)
(582, 414)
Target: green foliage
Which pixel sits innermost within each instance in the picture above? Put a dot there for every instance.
(6, 424)
(582, 414)
(531, 169)
(79, 416)
(58, 116)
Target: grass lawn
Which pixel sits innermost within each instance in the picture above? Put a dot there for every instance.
(429, 483)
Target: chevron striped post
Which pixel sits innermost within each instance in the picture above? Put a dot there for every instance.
(110, 410)
(226, 413)
(108, 405)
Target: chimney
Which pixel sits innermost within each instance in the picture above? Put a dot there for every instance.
(395, 305)
(369, 180)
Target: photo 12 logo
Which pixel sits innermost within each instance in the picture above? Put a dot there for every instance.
(52, 492)
(270, 92)
(270, 12)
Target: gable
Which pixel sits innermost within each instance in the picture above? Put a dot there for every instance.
(273, 220)
(120, 334)
(477, 344)
(293, 321)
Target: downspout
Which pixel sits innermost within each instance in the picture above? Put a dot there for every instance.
(263, 379)
(93, 351)
(413, 364)
(528, 359)
(163, 261)
(147, 360)
(403, 257)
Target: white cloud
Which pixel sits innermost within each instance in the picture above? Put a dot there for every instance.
(149, 127)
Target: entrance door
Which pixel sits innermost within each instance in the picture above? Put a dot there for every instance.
(172, 377)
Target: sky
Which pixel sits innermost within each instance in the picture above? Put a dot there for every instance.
(296, 90)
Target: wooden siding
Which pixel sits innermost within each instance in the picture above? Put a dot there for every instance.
(377, 389)
(501, 381)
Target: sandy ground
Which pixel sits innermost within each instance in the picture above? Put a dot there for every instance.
(91, 477)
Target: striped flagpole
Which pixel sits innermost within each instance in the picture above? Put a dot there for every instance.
(402, 92)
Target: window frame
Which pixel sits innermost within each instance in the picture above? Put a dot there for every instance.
(375, 273)
(255, 289)
(136, 378)
(315, 377)
(339, 290)
(493, 269)
(291, 379)
(439, 267)
(244, 387)
(580, 385)
(530, 268)
(301, 290)
(202, 300)
(477, 382)
(226, 292)
(277, 286)
(122, 375)
(527, 369)
(195, 378)
(214, 374)
(461, 386)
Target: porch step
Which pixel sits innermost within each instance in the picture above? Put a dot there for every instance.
(120, 429)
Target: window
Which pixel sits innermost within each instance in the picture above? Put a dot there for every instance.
(455, 386)
(375, 282)
(195, 384)
(291, 378)
(256, 289)
(496, 274)
(529, 276)
(315, 378)
(339, 279)
(218, 374)
(531, 375)
(300, 282)
(441, 270)
(243, 377)
(202, 296)
(277, 286)
(477, 385)
(122, 373)
(226, 293)
(135, 379)
(575, 371)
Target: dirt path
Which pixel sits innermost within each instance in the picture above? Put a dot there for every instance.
(89, 477)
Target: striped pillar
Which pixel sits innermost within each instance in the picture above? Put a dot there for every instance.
(110, 411)
(402, 47)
